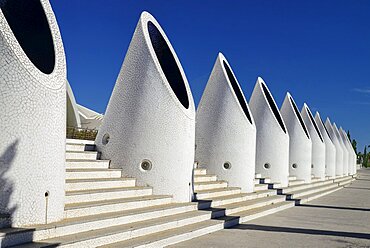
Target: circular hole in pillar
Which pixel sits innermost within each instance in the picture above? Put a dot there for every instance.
(312, 166)
(47, 193)
(105, 139)
(227, 165)
(267, 166)
(146, 165)
(294, 166)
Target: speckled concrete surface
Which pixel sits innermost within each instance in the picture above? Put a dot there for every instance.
(341, 219)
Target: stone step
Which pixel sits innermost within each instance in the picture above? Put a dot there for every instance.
(337, 180)
(346, 182)
(124, 232)
(106, 194)
(257, 181)
(109, 206)
(172, 236)
(259, 187)
(289, 189)
(275, 185)
(90, 223)
(87, 164)
(99, 183)
(79, 147)
(210, 193)
(296, 182)
(316, 179)
(265, 180)
(255, 213)
(204, 178)
(210, 185)
(228, 199)
(93, 173)
(314, 196)
(85, 155)
(79, 141)
(257, 175)
(200, 171)
(301, 193)
(291, 178)
(231, 209)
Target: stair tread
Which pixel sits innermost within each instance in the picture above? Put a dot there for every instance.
(84, 236)
(99, 179)
(105, 190)
(210, 182)
(205, 191)
(151, 238)
(97, 217)
(206, 175)
(252, 201)
(321, 192)
(313, 188)
(90, 170)
(87, 160)
(255, 210)
(92, 152)
(225, 197)
(309, 185)
(114, 201)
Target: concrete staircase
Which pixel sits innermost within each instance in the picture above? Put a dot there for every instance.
(103, 208)
(230, 205)
(301, 192)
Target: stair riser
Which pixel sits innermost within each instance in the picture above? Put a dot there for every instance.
(198, 172)
(82, 155)
(291, 178)
(183, 237)
(343, 183)
(234, 200)
(97, 164)
(78, 141)
(70, 213)
(201, 196)
(100, 185)
(200, 179)
(107, 195)
(264, 213)
(210, 186)
(341, 179)
(308, 192)
(124, 235)
(261, 187)
(93, 174)
(307, 199)
(305, 186)
(93, 225)
(252, 206)
(296, 183)
(257, 181)
(79, 147)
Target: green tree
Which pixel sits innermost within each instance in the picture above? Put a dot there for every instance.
(365, 157)
(353, 142)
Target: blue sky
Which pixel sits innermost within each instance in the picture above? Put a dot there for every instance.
(319, 51)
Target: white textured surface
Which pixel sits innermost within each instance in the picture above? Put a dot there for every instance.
(318, 145)
(223, 131)
(32, 147)
(146, 120)
(272, 144)
(344, 150)
(330, 152)
(349, 148)
(300, 145)
(338, 148)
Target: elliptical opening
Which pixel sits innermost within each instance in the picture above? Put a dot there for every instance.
(314, 124)
(30, 27)
(299, 117)
(273, 106)
(168, 64)
(237, 91)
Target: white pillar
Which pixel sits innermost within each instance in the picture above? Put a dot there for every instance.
(338, 149)
(149, 126)
(318, 145)
(300, 145)
(344, 149)
(33, 113)
(272, 146)
(330, 151)
(73, 117)
(225, 131)
(348, 146)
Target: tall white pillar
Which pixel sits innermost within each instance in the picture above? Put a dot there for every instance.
(344, 149)
(338, 149)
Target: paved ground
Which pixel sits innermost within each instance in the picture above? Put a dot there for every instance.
(341, 219)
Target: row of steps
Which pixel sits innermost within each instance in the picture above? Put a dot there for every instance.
(231, 206)
(103, 208)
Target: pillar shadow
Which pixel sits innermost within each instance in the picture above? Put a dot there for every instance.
(334, 207)
(302, 231)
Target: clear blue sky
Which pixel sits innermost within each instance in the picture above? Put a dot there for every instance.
(319, 51)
